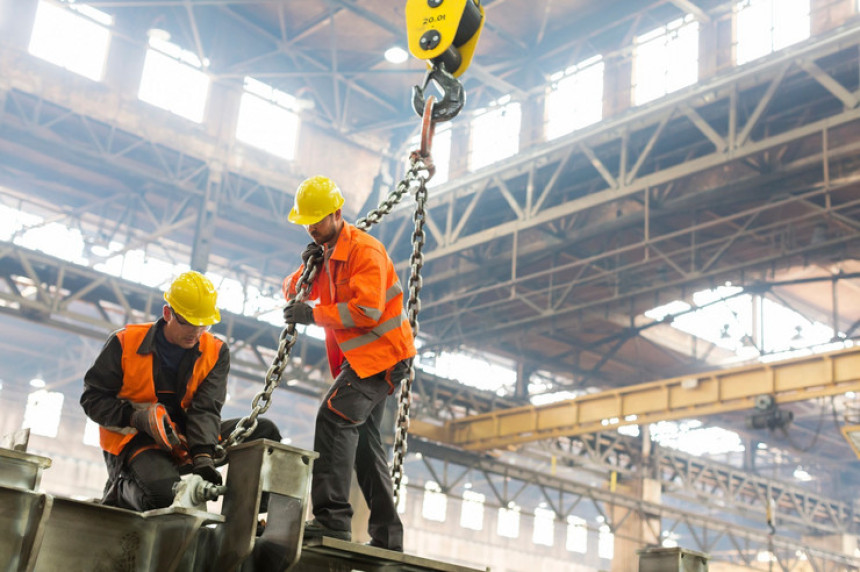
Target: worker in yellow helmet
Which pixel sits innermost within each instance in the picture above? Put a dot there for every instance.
(369, 343)
(156, 391)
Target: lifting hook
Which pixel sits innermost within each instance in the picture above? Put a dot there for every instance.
(453, 95)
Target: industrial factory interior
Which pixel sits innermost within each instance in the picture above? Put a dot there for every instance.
(632, 258)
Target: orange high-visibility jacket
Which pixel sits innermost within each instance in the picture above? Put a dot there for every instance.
(138, 384)
(360, 305)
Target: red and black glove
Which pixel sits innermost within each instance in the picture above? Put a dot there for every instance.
(205, 467)
(155, 422)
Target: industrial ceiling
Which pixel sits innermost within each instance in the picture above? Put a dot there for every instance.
(547, 259)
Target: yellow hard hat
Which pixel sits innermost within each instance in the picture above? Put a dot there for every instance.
(193, 296)
(316, 198)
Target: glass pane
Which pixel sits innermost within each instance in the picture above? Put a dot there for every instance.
(495, 135)
(575, 101)
(66, 37)
(173, 85)
(267, 126)
(42, 415)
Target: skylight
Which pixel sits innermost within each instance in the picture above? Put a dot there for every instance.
(766, 26)
(268, 119)
(665, 60)
(575, 98)
(74, 37)
(172, 79)
(495, 133)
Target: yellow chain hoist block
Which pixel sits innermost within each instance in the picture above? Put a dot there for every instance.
(444, 32)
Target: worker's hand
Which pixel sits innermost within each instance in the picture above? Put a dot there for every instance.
(299, 313)
(155, 422)
(205, 467)
(312, 250)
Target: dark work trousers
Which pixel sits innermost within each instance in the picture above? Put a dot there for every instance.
(347, 435)
(146, 481)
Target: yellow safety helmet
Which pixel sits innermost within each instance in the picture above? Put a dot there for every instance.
(193, 296)
(316, 198)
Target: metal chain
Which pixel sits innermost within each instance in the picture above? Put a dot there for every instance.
(413, 306)
(420, 171)
(287, 340)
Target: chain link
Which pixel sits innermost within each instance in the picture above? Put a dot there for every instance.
(287, 340)
(413, 307)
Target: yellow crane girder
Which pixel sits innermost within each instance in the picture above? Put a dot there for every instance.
(690, 396)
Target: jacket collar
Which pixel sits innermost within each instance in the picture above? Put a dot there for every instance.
(147, 346)
(344, 241)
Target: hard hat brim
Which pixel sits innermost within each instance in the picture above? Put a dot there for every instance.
(296, 218)
(209, 321)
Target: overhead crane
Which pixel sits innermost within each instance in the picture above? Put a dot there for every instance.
(694, 395)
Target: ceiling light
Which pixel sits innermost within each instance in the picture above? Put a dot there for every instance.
(396, 55)
(37, 382)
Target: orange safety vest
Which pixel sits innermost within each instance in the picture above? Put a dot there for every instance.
(360, 305)
(138, 384)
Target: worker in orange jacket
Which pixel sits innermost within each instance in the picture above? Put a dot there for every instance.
(156, 391)
(369, 343)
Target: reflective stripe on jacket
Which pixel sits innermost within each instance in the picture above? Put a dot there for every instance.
(138, 384)
(360, 305)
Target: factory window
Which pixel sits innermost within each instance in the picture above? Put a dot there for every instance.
(71, 36)
(495, 133)
(91, 433)
(765, 26)
(577, 535)
(665, 60)
(472, 510)
(172, 79)
(508, 524)
(440, 150)
(435, 502)
(575, 98)
(42, 414)
(605, 542)
(268, 119)
(544, 526)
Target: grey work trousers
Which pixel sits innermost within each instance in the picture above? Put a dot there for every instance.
(348, 436)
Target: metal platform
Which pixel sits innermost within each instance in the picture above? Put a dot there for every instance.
(333, 555)
(40, 532)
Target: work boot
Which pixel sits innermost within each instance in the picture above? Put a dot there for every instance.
(316, 529)
(377, 544)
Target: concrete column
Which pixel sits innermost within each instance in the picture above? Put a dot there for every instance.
(617, 82)
(638, 530)
(16, 22)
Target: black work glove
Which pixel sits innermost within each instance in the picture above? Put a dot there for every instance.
(299, 313)
(155, 422)
(312, 250)
(205, 467)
